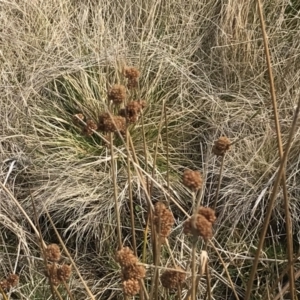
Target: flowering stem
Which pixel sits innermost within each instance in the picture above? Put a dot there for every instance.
(219, 183)
(194, 268)
(114, 178)
(130, 196)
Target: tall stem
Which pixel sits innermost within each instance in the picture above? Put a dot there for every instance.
(114, 178)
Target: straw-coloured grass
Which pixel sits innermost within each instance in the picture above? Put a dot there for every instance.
(78, 139)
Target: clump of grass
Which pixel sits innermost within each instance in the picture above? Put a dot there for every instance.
(210, 74)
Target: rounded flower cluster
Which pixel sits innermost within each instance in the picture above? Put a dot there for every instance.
(109, 123)
(77, 118)
(90, 127)
(11, 281)
(192, 180)
(64, 272)
(125, 257)
(208, 213)
(53, 252)
(201, 223)
(171, 279)
(163, 220)
(58, 273)
(131, 271)
(117, 94)
(132, 74)
(132, 111)
(221, 146)
(131, 287)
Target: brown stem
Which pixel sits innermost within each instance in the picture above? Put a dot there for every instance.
(271, 203)
(114, 178)
(219, 182)
(288, 224)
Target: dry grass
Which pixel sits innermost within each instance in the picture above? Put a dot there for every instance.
(206, 62)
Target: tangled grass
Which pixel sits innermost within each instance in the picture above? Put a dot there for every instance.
(204, 62)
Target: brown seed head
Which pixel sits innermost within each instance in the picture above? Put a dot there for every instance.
(90, 126)
(163, 220)
(109, 123)
(131, 73)
(192, 180)
(64, 272)
(117, 94)
(132, 84)
(4, 284)
(52, 273)
(11, 281)
(53, 252)
(171, 279)
(133, 272)
(125, 257)
(208, 213)
(132, 111)
(198, 225)
(221, 146)
(131, 287)
(78, 117)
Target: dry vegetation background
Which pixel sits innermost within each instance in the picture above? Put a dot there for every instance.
(205, 60)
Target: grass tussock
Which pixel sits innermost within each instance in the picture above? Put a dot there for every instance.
(109, 112)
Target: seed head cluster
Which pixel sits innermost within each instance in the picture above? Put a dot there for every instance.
(125, 257)
(11, 281)
(192, 180)
(132, 74)
(201, 223)
(132, 111)
(221, 146)
(163, 220)
(129, 113)
(131, 271)
(90, 127)
(208, 213)
(58, 273)
(131, 287)
(110, 123)
(78, 117)
(53, 252)
(171, 279)
(117, 94)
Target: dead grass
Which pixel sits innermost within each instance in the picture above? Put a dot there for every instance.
(206, 62)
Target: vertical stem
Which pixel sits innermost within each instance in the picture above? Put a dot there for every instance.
(130, 196)
(283, 182)
(208, 284)
(219, 182)
(167, 148)
(42, 245)
(156, 148)
(271, 203)
(226, 270)
(145, 148)
(114, 178)
(194, 281)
